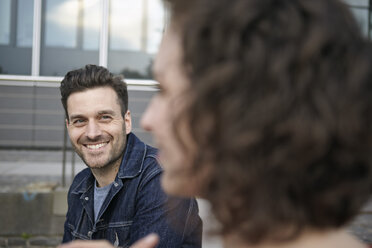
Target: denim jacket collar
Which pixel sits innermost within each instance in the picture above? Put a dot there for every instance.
(134, 155)
(130, 167)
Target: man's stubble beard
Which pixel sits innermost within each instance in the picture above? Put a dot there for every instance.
(112, 161)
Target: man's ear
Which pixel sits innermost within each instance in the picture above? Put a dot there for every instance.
(128, 122)
(67, 122)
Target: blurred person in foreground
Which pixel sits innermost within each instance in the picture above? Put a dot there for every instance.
(119, 197)
(265, 110)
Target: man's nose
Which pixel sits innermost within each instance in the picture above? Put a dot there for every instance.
(93, 130)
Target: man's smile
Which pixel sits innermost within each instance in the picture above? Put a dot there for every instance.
(96, 146)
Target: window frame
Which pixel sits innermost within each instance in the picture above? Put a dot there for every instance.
(103, 49)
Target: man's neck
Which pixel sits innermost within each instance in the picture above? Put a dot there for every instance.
(326, 239)
(106, 175)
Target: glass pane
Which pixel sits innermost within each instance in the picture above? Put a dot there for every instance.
(71, 35)
(362, 17)
(16, 27)
(357, 2)
(155, 25)
(91, 24)
(135, 33)
(125, 24)
(61, 23)
(25, 22)
(5, 22)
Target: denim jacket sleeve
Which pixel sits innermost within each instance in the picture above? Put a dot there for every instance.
(175, 220)
(72, 207)
(66, 234)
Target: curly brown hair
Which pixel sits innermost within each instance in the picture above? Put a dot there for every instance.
(282, 102)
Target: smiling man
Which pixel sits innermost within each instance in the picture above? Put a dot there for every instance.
(119, 197)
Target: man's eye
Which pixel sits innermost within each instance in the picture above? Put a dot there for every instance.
(105, 117)
(78, 121)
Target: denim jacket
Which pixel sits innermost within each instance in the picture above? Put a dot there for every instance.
(134, 207)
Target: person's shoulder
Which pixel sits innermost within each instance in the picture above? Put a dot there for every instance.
(141, 148)
(147, 154)
(151, 166)
(83, 173)
(80, 177)
(151, 152)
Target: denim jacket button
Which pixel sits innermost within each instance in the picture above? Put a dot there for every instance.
(86, 198)
(90, 234)
(116, 184)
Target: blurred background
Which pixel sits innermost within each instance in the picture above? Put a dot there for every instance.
(41, 40)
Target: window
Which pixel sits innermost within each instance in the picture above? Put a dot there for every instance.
(70, 35)
(24, 23)
(16, 30)
(361, 15)
(91, 23)
(136, 28)
(5, 9)
(61, 23)
(125, 25)
(360, 9)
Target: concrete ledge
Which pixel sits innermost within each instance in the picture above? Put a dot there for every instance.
(3, 242)
(30, 211)
(45, 241)
(36, 242)
(17, 242)
(60, 201)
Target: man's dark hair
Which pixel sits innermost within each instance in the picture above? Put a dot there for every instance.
(93, 76)
(281, 96)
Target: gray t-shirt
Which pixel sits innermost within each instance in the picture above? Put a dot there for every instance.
(99, 197)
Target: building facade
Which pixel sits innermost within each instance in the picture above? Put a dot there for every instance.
(40, 40)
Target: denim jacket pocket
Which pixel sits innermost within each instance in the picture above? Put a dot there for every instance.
(74, 233)
(118, 234)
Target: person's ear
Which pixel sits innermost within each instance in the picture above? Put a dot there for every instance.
(128, 122)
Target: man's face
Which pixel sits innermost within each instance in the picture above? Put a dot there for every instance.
(96, 127)
(159, 118)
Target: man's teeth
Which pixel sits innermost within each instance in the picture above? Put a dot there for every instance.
(96, 146)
